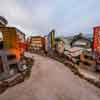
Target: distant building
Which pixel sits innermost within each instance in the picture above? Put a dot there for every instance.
(84, 43)
(80, 41)
(21, 35)
(75, 51)
(37, 42)
(60, 46)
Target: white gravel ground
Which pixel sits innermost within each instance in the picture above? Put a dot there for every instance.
(51, 80)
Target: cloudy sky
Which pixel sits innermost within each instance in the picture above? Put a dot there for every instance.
(35, 17)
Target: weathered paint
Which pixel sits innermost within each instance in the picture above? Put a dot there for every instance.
(96, 43)
(37, 42)
(51, 40)
(12, 40)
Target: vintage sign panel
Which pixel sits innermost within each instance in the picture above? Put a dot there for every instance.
(52, 39)
(49, 41)
(10, 38)
(98, 59)
(96, 40)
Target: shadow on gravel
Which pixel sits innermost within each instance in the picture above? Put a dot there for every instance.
(20, 77)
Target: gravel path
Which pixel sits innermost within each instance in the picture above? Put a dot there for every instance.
(51, 80)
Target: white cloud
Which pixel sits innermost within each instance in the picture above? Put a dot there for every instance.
(43, 17)
(16, 14)
(40, 16)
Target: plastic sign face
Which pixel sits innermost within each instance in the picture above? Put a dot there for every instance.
(49, 41)
(96, 43)
(53, 39)
(96, 39)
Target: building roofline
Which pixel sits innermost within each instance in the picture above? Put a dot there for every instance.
(36, 37)
(18, 30)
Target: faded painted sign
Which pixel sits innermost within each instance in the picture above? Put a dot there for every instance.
(10, 38)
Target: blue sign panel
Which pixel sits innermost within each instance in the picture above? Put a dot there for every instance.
(99, 59)
(49, 41)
